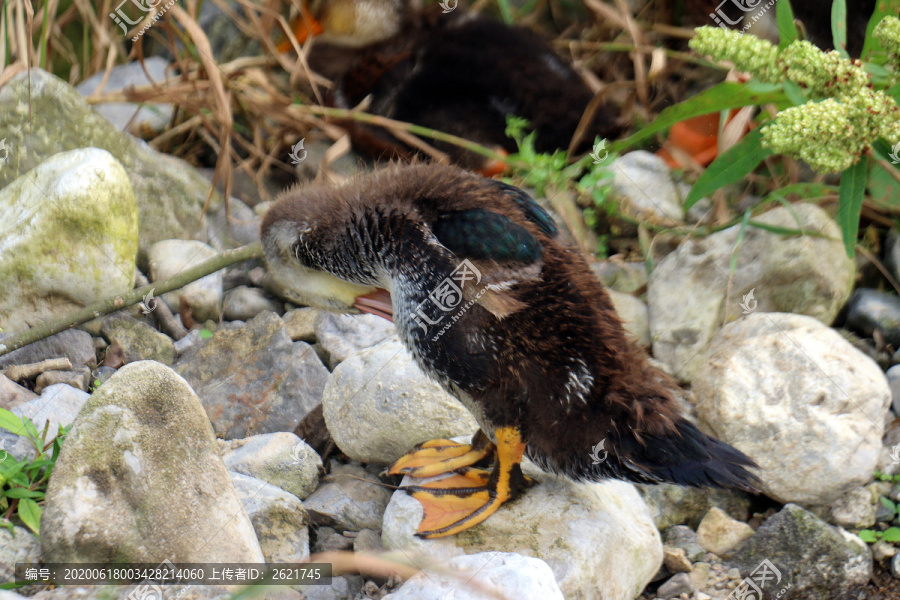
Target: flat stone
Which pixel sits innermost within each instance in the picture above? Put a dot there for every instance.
(138, 340)
(342, 335)
(74, 344)
(301, 323)
(720, 534)
(348, 501)
(243, 303)
(279, 519)
(281, 459)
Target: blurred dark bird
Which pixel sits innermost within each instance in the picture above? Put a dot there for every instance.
(460, 73)
(508, 320)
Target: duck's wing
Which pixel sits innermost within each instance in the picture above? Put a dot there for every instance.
(500, 246)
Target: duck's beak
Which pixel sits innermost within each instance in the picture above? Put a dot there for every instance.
(303, 25)
(376, 303)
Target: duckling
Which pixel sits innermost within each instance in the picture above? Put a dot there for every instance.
(508, 319)
(460, 73)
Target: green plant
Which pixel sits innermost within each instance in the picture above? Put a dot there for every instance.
(834, 113)
(891, 534)
(591, 175)
(23, 483)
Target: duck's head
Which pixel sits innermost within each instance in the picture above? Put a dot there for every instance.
(295, 273)
(349, 23)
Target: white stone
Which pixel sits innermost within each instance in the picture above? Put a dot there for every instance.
(204, 296)
(68, 237)
(378, 404)
(797, 398)
(598, 538)
(475, 576)
(689, 295)
(648, 190)
(634, 314)
(280, 458)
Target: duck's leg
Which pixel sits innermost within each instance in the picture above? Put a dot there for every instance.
(442, 456)
(462, 501)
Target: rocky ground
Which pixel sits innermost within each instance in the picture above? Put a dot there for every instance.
(261, 433)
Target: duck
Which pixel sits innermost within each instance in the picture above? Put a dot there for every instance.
(456, 72)
(508, 318)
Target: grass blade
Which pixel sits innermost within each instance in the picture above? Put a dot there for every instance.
(784, 19)
(839, 26)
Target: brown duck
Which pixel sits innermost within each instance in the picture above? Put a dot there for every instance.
(506, 318)
(460, 73)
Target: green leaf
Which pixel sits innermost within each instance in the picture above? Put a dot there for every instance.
(784, 18)
(23, 493)
(868, 536)
(729, 167)
(892, 534)
(794, 93)
(205, 334)
(839, 26)
(30, 513)
(723, 96)
(31, 430)
(850, 199)
(11, 422)
(888, 503)
(871, 45)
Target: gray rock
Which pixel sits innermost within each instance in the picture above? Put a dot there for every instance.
(253, 379)
(478, 576)
(882, 550)
(79, 379)
(869, 310)
(156, 116)
(720, 534)
(138, 340)
(342, 334)
(855, 510)
(141, 440)
(647, 188)
(675, 586)
(243, 303)
(345, 587)
(56, 407)
(625, 277)
(167, 258)
(672, 504)
(676, 560)
(368, 541)
(685, 539)
(301, 323)
(796, 397)
(634, 315)
(170, 193)
(587, 533)
(281, 459)
(895, 566)
(16, 546)
(74, 344)
(687, 292)
(69, 236)
(278, 518)
(328, 539)
(190, 343)
(792, 541)
(13, 394)
(378, 404)
(884, 514)
(348, 501)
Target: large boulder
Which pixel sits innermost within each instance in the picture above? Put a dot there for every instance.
(140, 479)
(69, 236)
(170, 193)
(692, 292)
(800, 400)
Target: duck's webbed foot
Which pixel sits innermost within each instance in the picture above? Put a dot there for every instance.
(463, 500)
(442, 456)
